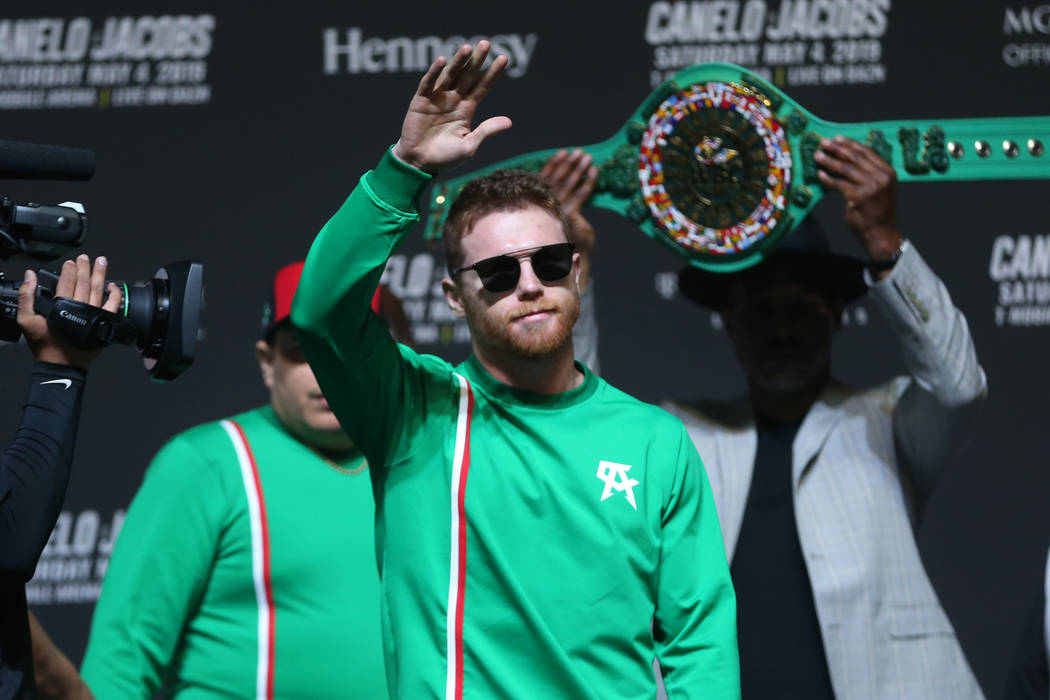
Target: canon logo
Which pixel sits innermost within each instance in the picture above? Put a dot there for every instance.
(72, 317)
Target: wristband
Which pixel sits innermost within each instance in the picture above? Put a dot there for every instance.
(888, 263)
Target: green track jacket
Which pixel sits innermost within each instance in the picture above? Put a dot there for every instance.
(531, 546)
(245, 569)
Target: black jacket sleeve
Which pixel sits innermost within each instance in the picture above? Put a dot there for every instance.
(34, 469)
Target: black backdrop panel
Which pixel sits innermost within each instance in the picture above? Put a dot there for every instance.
(229, 137)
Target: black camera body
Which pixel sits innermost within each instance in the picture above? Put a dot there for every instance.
(160, 317)
(41, 231)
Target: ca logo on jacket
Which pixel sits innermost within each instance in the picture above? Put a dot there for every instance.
(615, 477)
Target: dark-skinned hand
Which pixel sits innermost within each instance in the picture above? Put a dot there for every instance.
(572, 175)
(869, 186)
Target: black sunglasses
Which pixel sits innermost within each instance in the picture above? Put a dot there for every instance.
(501, 273)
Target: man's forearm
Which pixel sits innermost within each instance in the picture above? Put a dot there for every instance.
(585, 331)
(696, 604)
(34, 469)
(346, 255)
(56, 678)
(938, 348)
(358, 366)
(947, 383)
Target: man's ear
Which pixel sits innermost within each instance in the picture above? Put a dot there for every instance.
(452, 297)
(264, 354)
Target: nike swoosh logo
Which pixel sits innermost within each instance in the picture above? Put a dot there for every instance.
(68, 382)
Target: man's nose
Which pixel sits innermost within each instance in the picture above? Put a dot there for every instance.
(782, 321)
(529, 285)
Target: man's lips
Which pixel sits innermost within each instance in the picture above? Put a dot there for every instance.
(783, 352)
(535, 315)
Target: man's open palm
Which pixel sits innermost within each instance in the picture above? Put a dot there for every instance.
(437, 134)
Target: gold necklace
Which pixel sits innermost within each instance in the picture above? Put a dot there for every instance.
(357, 469)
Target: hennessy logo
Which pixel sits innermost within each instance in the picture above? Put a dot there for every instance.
(615, 477)
(350, 51)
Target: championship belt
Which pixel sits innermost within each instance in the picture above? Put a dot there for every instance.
(718, 164)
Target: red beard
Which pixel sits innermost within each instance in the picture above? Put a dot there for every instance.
(528, 339)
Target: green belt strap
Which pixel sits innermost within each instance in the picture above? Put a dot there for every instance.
(718, 164)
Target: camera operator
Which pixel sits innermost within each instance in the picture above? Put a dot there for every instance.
(34, 469)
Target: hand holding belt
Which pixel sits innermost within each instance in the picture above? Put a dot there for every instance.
(718, 164)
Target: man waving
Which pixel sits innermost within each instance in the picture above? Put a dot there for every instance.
(540, 533)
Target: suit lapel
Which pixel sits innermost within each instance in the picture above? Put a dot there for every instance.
(731, 465)
(814, 432)
(735, 447)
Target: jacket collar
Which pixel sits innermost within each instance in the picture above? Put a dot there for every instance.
(820, 420)
(823, 416)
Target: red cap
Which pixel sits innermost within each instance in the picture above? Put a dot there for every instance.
(285, 282)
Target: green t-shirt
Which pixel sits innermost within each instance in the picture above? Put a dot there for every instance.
(243, 573)
(531, 546)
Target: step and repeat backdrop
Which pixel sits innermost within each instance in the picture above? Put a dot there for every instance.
(229, 137)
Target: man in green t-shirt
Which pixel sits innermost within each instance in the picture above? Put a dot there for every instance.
(246, 565)
(540, 533)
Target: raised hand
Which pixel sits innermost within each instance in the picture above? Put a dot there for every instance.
(869, 186)
(572, 176)
(79, 282)
(436, 134)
